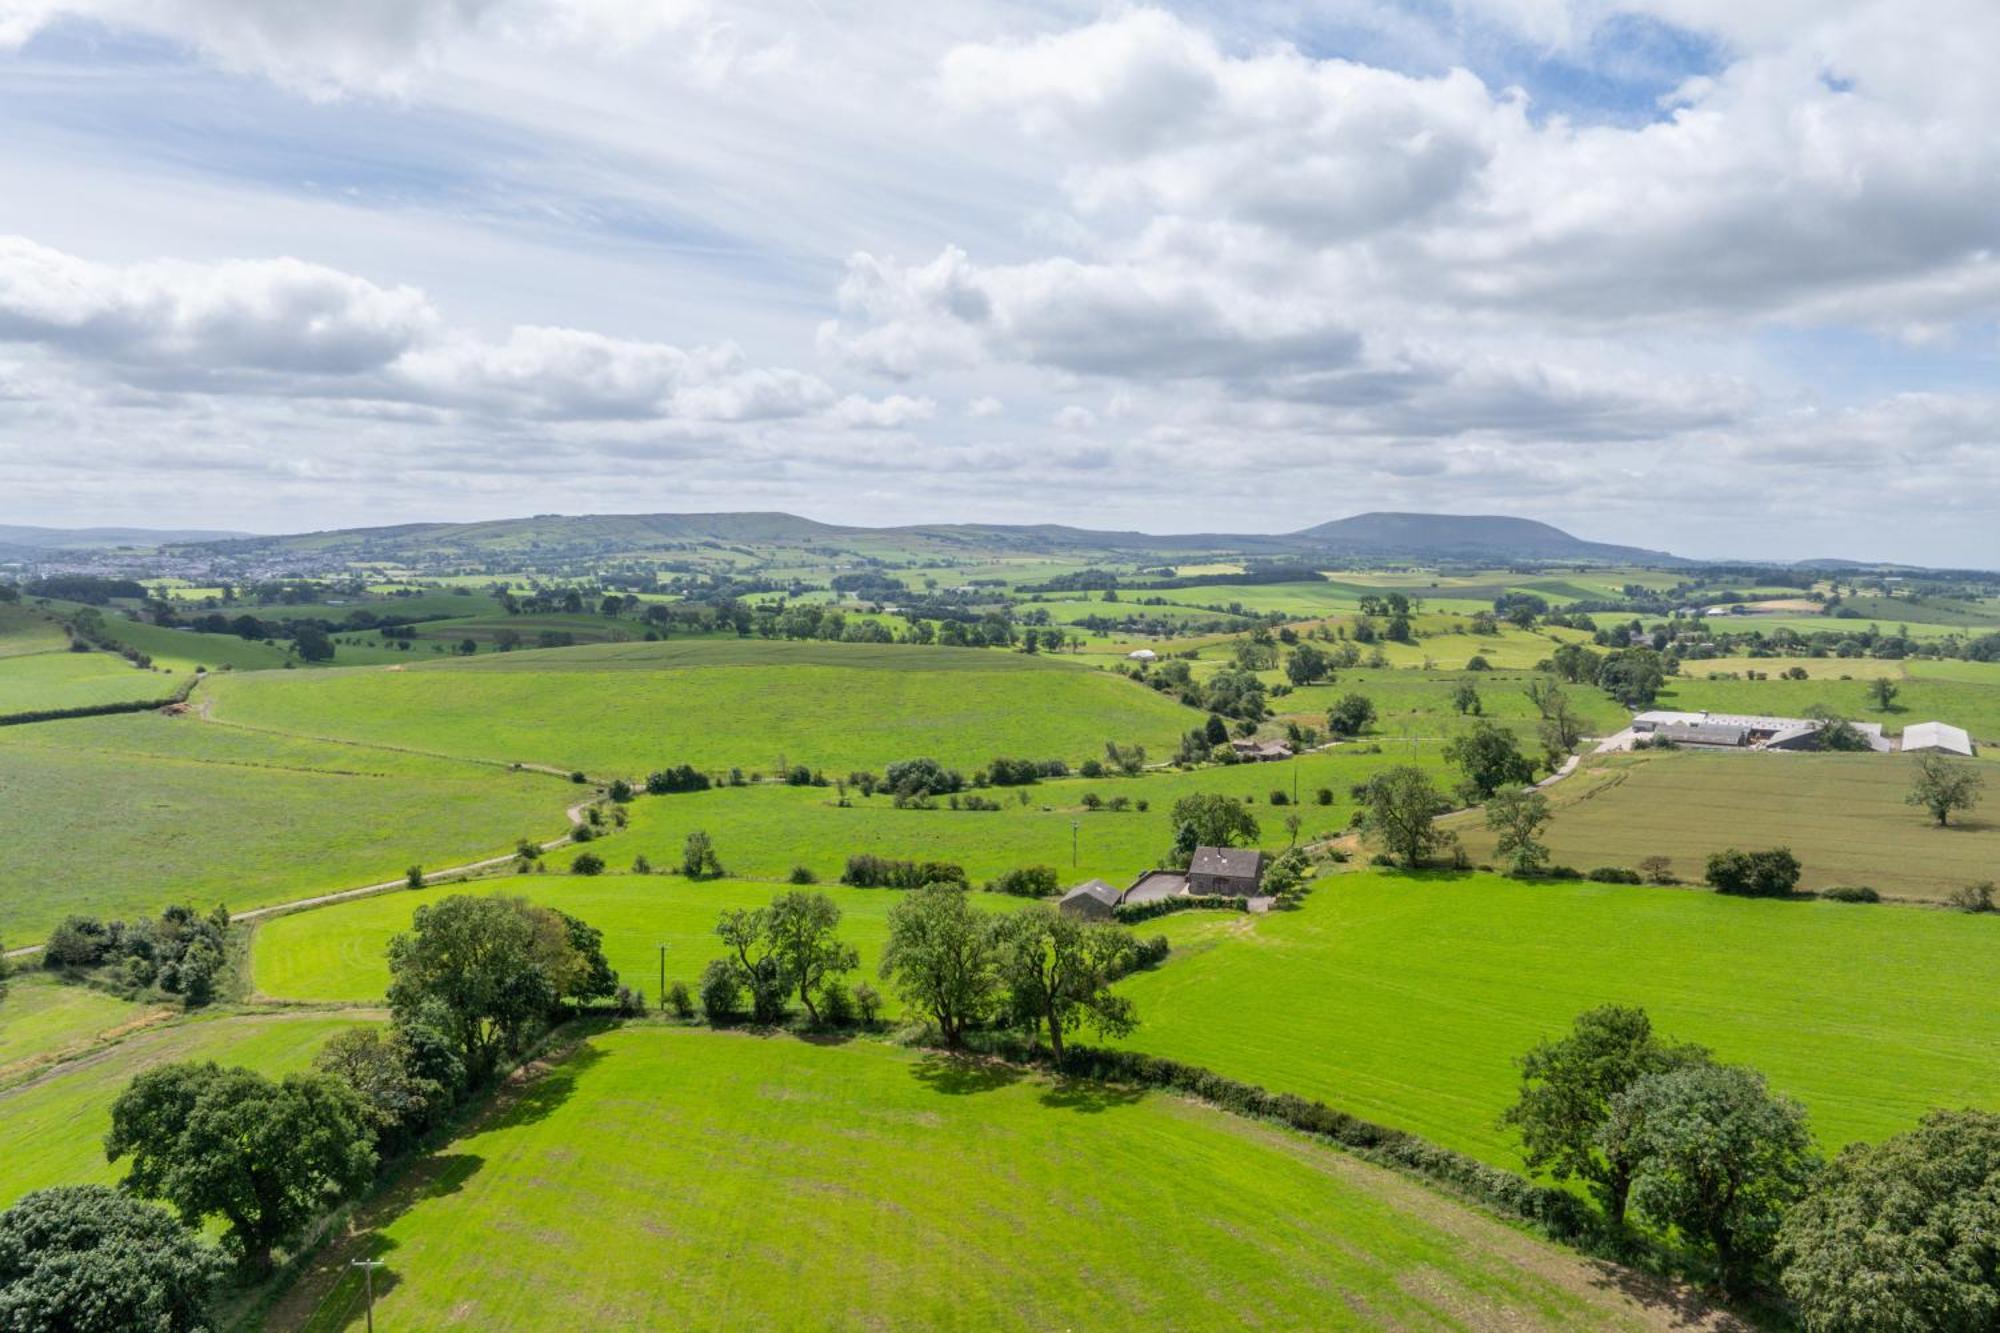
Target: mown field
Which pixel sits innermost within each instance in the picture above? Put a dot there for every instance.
(122, 815)
(1407, 999)
(340, 952)
(672, 1178)
(42, 1019)
(31, 682)
(1843, 815)
(624, 709)
(56, 1123)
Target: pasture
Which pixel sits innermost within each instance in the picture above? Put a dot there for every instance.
(1843, 815)
(122, 815)
(665, 1177)
(340, 952)
(31, 682)
(1419, 703)
(1406, 999)
(56, 1123)
(624, 709)
(43, 1019)
(761, 832)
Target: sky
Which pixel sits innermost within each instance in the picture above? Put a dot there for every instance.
(1714, 277)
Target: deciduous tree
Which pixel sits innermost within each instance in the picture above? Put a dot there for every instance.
(1403, 807)
(801, 926)
(1518, 816)
(939, 958)
(90, 1259)
(1058, 973)
(266, 1157)
(1942, 785)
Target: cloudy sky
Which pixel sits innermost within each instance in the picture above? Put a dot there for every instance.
(1718, 276)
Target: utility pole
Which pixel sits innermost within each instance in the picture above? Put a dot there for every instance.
(663, 977)
(1074, 825)
(368, 1267)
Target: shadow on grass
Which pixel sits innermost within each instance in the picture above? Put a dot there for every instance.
(960, 1075)
(539, 1092)
(1089, 1096)
(1679, 1304)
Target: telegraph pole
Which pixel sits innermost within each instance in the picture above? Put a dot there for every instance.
(663, 977)
(1074, 825)
(368, 1267)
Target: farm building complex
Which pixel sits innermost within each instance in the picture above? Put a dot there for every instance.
(1236, 872)
(1743, 731)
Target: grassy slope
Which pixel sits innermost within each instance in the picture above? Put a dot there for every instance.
(55, 1126)
(31, 682)
(1407, 1000)
(121, 815)
(340, 952)
(1843, 814)
(974, 1201)
(1420, 701)
(627, 708)
(41, 1018)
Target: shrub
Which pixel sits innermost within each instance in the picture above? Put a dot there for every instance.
(802, 875)
(680, 1001)
(641, 865)
(1851, 893)
(1614, 875)
(1026, 882)
(576, 776)
(1658, 869)
(1767, 874)
(867, 1002)
(1280, 798)
(836, 1004)
(1091, 768)
(679, 778)
(721, 991)
(868, 871)
(1133, 913)
(1972, 898)
(620, 790)
(1324, 796)
(589, 863)
(582, 833)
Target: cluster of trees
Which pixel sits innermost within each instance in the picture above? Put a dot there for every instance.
(1234, 691)
(1035, 969)
(868, 871)
(90, 589)
(1208, 819)
(1899, 1234)
(180, 952)
(1766, 874)
(678, 778)
(789, 948)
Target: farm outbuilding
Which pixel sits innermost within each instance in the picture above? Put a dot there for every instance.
(1142, 655)
(1941, 737)
(1092, 900)
(1226, 870)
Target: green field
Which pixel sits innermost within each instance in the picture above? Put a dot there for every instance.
(761, 832)
(123, 815)
(1843, 815)
(664, 1177)
(57, 1122)
(628, 708)
(1419, 703)
(24, 630)
(37, 681)
(42, 1019)
(1406, 999)
(340, 953)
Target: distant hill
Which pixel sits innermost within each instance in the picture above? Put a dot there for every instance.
(92, 539)
(1448, 537)
(1465, 537)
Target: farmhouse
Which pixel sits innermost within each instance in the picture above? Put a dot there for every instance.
(1744, 731)
(1939, 736)
(1092, 900)
(1259, 752)
(1226, 870)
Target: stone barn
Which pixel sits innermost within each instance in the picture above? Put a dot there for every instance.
(1226, 870)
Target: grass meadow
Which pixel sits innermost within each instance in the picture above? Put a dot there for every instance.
(122, 815)
(43, 1019)
(615, 709)
(340, 953)
(1844, 816)
(1407, 999)
(667, 1177)
(761, 832)
(56, 1123)
(1418, 703)
(30, 682)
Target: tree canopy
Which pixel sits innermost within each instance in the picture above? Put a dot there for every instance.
(939, 958)
(91, 1259)
(265, 1156)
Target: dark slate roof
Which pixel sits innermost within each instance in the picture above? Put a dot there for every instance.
(1093, 888)
(1236, 862)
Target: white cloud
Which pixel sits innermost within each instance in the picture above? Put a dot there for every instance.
(986, 405)
(882, 413)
